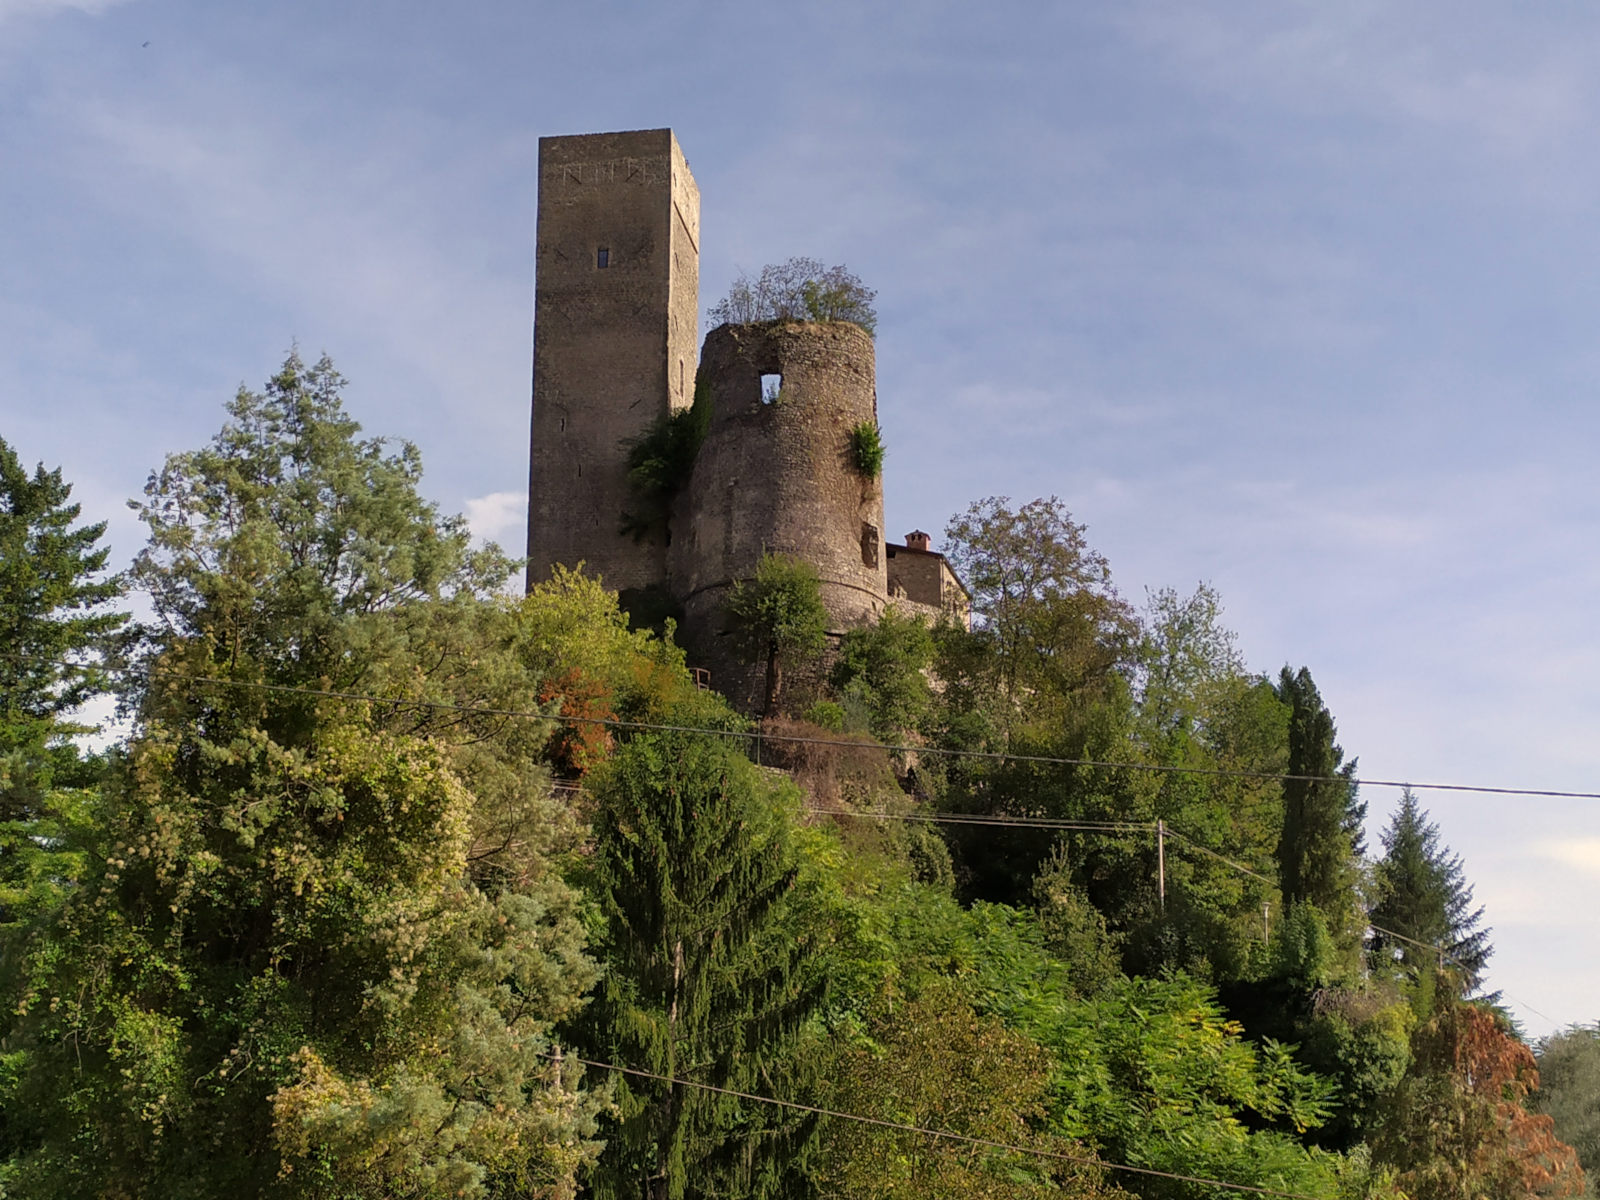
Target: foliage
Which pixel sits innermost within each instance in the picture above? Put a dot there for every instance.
(1423, 895)
(1321, 814)
(778, 616)
(694, 866)
(660, 461)
(885, 667)
(866, 449)
(801, 289)
(1457, 1124)
(825, 714)
(54, 630)
(1569, 1090)
(937, 1064)
(1051, 628)
(324, 945)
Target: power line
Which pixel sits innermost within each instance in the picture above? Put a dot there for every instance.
(928, 1131)
(759, 735)
(994, 755)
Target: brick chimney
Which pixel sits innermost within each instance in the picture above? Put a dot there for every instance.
(917, 540)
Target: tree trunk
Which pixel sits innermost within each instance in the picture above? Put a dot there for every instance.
(774, 681)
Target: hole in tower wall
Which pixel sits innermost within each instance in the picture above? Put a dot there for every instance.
(869, 545)
(771, 388)
(602, 257)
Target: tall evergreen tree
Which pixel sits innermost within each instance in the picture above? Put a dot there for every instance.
(54, 625)
(1322, 815)
(1423, 895)
(705, 981)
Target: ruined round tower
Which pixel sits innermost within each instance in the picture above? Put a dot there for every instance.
(776, 473)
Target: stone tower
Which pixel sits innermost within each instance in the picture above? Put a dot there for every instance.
(615, 334)
(776, 473)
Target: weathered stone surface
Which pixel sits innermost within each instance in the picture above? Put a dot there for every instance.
(779, 475)
(615, 333)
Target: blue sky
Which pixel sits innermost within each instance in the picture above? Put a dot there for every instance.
(1295, 298)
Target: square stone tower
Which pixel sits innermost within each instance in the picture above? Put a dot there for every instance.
(616, 318)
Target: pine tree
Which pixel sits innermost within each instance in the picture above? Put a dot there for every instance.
(54, 626)
(1423, 896)
(1322, 816)
(705, 981)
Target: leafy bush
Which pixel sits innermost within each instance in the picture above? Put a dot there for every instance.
(659, 463)
(866, 449)
(826, 713)
(801, 289)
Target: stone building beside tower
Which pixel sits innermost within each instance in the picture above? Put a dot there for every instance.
(616, 350)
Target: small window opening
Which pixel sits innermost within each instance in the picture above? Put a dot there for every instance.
(680, 377)
(771, 388)
(602, 257)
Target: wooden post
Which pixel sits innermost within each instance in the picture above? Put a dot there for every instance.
(1161, 863)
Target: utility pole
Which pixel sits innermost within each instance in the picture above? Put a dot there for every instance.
(1161, 863)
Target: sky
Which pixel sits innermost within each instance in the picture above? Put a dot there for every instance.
(1294, 298)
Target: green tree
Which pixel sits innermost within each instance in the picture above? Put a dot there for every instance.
(777, 617)
(1423, 895)
(1569, 1090)
(801, 289)
(326, 943)
(937, 1064)
(55, 626)
(883, 667)
(1322, 816)
(1051, 629)
(694, 868)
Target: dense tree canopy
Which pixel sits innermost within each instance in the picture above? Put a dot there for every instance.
(388, 854)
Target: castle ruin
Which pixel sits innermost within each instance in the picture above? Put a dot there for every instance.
(616, 322)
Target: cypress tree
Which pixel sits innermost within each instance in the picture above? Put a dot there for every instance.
(1322, 816)
(1423, 895)
(705, 981)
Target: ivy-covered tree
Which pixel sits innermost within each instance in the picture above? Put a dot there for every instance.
(777, 618)
(1423, 896)
(55, 624)
(706, 982)
(325, 944)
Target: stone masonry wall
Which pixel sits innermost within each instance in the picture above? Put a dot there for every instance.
(779, 476)
(616, 306)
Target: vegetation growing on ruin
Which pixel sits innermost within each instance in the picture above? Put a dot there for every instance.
(801, 289)
(867, 449)
(660, 462)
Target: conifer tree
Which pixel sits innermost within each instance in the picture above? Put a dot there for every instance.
(54, 626)
(1322, 816)
(705, 981)
(1423, 895)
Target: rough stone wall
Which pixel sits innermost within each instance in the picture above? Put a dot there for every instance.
(779, 476)
(922, 581)
(616, 304)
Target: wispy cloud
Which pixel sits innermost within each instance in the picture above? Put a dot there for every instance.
(10, 9)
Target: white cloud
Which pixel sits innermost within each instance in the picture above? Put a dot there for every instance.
(10, 9)
(1579, 853)
(499, 517)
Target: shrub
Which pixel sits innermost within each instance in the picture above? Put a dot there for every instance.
(866, 449)
(801, 289)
